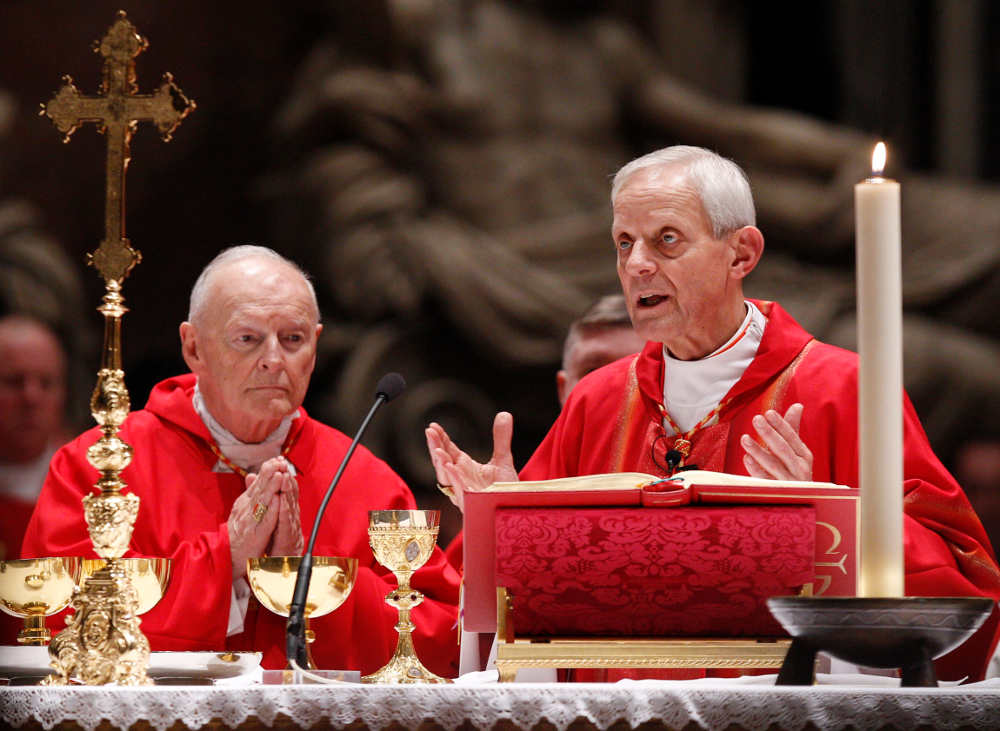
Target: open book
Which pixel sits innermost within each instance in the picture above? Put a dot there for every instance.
(836, 520)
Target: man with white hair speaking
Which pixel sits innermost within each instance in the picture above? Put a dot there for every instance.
(731, 385)
(228, 466)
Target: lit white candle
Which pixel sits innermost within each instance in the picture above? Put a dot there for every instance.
(880, 386)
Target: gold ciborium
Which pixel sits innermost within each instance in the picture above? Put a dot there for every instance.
(402, 541)
(34, 588)
(272, 580)
(149, 577)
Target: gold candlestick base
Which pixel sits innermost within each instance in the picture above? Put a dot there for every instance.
(405, 666)
(102, 643)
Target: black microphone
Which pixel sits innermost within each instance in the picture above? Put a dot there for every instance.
(388, 388)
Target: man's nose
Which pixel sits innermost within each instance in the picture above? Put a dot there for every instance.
(272, 357)
(640, 261)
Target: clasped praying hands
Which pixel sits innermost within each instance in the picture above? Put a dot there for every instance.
(265, 518)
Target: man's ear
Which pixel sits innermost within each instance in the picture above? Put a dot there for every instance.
(748, 246)
(561, 386)
(319, 331)
(189, 346)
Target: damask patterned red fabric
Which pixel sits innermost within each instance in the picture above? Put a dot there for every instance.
(690, 571)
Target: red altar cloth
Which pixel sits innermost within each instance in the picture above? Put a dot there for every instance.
(682, 572)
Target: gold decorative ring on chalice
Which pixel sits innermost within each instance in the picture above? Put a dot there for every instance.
(259, 511)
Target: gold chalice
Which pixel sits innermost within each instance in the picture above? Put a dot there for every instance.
(402, 541)
(34, 588)
(272, 580)
(149, 577)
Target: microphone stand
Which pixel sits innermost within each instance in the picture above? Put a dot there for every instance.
(389, 386)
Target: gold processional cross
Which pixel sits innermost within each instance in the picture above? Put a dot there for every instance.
(118, 110)
(102, 642)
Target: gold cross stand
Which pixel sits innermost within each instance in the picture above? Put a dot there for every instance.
(102, 642)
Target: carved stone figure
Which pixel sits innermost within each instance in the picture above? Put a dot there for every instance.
(444, 168)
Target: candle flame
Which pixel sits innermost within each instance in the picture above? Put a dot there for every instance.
(879, 155)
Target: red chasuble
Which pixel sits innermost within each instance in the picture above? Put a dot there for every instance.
(611, 423)
(183, 515)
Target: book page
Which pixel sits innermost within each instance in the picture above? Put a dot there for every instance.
(610, 481)
(704, 477)
(637, 480)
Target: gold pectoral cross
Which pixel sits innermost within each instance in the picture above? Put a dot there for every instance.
(683, 446)
(117, 110)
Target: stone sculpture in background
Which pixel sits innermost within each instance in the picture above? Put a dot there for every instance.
(448, 164)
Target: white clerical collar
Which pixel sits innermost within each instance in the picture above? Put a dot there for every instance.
(692, 388)
(248, 456)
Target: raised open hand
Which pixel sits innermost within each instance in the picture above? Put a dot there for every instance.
(457, 470)
(784, 456)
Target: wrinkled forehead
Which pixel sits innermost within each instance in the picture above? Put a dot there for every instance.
(663, 190)
(259, 287)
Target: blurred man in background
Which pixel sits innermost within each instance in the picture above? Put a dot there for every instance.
(32, 427)
(32, 419)
(602, 335)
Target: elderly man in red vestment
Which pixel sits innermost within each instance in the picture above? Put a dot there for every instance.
(731, 385)
(229, 466)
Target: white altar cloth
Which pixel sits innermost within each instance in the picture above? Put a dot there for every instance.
(714, 705)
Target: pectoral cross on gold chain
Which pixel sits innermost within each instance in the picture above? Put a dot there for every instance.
(680, 450)
(117, 110)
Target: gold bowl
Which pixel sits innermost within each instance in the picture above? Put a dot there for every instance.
(149, 576)
(272, 580)
(34, 588)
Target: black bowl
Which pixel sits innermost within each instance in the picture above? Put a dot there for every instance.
(905, 632)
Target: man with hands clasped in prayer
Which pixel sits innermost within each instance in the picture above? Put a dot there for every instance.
(730, 384)
(253, 358)
(228, 466)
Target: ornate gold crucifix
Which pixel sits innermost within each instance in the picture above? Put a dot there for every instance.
(102, 642)
(117, 110)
